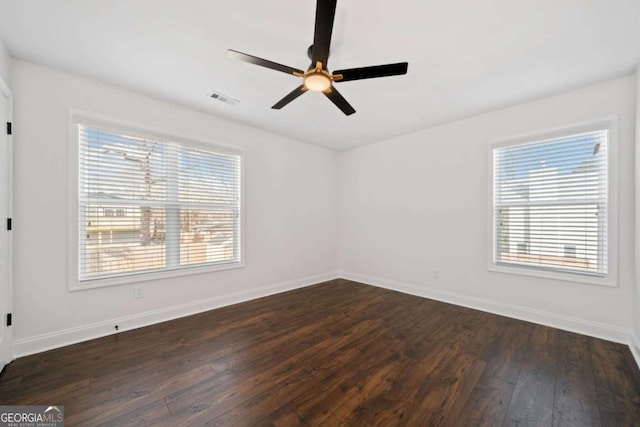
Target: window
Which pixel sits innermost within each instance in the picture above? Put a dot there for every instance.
(551, 202)
(150, 205)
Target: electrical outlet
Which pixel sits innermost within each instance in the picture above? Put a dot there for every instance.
(292, 267)
(436, 274)
(138, 292)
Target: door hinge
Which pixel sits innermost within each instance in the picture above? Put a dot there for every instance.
(9, 319)
(9, 224)
(9, 128)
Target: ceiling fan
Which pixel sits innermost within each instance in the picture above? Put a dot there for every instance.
(318, 78)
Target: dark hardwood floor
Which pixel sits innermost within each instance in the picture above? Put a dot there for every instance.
(338, 353)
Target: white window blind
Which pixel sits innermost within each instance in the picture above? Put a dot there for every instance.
(148, 205)
(550, 204)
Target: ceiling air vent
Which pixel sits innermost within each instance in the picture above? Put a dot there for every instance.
(222, 97)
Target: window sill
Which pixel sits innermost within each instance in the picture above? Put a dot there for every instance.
(150, 276)
(606, 281)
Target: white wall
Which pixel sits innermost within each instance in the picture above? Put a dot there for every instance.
(635, 347)
(5, 60)
(418, 203)
(290, 201)
(6, 351)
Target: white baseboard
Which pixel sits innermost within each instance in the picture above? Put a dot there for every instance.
(634, 345)
(568, 323)
(49, 341)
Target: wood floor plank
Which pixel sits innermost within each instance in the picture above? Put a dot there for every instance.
(335, 354)
(503, 353)
(504, 358)
(576, 401)
(336, 403)
(147, 415)
(616, 384)
(113, 403)
(532, 400)
(236, 390)
(447, 394)
(487, 406)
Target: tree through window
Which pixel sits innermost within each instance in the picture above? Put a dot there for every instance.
(148, 205)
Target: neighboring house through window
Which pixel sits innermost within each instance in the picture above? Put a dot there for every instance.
(551, 205)
(151, 205)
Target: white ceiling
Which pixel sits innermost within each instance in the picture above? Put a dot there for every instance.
(465, 56)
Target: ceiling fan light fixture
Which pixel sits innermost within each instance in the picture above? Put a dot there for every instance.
(317, 82)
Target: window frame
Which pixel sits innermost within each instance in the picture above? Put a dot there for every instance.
(610, 279)
(77, 117)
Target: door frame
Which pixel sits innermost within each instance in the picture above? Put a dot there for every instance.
(7, 97)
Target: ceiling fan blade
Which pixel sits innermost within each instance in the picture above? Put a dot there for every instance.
(325, 14)
(340, 102)
(372, 72)
(290, 97)
(262, 62)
